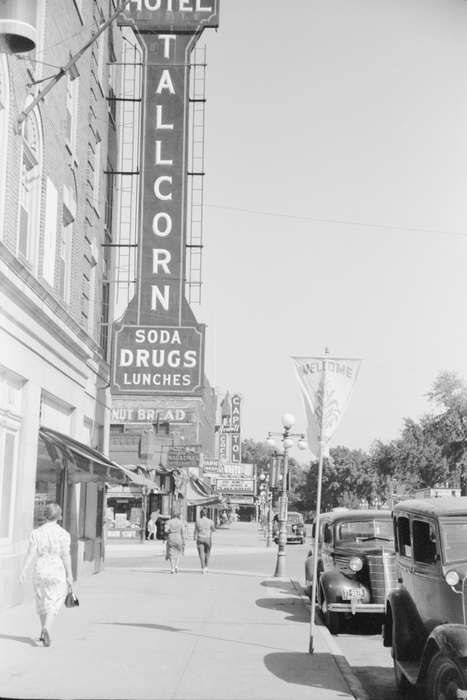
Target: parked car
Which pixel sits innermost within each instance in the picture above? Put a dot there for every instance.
(426, 615)
(295, 528)
(356, 564)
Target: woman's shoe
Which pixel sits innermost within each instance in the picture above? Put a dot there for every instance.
(45, 638)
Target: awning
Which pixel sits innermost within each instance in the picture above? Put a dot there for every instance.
(139, 479)
(197, 493)
(86, 464)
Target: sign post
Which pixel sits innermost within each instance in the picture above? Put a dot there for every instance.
(326, 384)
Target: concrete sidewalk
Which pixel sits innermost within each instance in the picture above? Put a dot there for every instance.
(142, 633)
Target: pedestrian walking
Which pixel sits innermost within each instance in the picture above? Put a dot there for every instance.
(204, 527)
(49, 548)
(151, 525)
(175, 546)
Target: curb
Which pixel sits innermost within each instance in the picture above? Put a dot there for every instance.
(355, 686)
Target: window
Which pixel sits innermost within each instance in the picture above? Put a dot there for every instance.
(4, 109)
(8, 440)
(30, 188)
(327, 535)
(68, 218)
(97, 172)
(92, 289)
(50, 232)
(72, 91)
(424, 542)
(10, 424)
(404, 544)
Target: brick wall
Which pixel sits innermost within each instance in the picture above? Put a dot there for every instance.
(66, 29)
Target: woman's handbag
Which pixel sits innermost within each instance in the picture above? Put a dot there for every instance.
(71, 600)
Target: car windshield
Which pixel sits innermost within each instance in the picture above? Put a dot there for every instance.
(363, 530)
(454, 539)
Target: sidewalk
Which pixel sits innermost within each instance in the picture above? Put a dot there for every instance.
(142, 633)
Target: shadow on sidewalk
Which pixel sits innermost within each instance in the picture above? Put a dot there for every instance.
(285, 586)
(304, 669)
(147, 625)
(293, 607)
(22, 640)
(192, 633)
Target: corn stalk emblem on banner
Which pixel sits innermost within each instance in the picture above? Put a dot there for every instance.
(326, 384)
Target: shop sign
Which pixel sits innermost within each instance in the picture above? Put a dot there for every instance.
(222, 446)
(172, 14)
(158, 347)
(144, 414)
(158, 360)
(211, 466)
(235, 485)
(182, 457)
(240, 470)
(236, 441)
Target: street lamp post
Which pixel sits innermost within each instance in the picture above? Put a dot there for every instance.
(266, 503)
(286, 437)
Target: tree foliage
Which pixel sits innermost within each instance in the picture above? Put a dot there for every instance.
(428, 452)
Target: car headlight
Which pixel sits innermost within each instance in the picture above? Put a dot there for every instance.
(355, 564)
(452, 578)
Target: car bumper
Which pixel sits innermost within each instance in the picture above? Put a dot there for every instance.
(359, 608)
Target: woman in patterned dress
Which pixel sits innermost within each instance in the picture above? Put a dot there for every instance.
(175, 540)
(49, 546)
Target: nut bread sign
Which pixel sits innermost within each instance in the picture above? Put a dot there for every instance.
(158, 346)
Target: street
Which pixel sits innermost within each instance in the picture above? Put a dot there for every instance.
(142, 633)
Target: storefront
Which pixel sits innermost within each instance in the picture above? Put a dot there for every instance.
(76, 477)
(129, 507)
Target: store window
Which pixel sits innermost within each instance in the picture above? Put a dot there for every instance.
(124, 513)
(49, 479)
(10, 426)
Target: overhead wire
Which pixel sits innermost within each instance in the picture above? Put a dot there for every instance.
(341, 222)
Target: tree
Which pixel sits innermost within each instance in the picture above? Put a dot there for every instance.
(258, 453)
(449, 429)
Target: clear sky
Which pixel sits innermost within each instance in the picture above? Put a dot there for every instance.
(336, 203)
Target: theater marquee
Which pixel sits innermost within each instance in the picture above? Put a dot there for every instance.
(158, 347)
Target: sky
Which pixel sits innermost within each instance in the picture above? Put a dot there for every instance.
(336, 207)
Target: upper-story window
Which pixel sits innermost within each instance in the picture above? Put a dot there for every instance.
(4, 108)
(30, 188)
(71, 121)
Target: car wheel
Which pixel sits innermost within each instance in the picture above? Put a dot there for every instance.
(332, 619)
(444, 678)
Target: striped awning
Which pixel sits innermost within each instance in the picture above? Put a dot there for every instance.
(85, 463)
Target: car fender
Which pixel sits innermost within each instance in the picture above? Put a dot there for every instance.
(334, 580)
(450, 639)
(403, 628)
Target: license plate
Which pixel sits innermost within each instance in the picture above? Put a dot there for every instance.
(350, 593)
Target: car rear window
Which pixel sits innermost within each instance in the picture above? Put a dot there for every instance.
(361, 530)
(294, 518)
(454, 539)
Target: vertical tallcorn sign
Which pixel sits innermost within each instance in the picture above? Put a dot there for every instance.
(158, 347)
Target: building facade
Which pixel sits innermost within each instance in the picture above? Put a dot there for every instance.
(57, 190)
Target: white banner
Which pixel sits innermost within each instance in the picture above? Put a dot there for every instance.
(326, 384)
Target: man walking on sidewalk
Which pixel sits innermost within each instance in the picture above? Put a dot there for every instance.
(204, 527)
